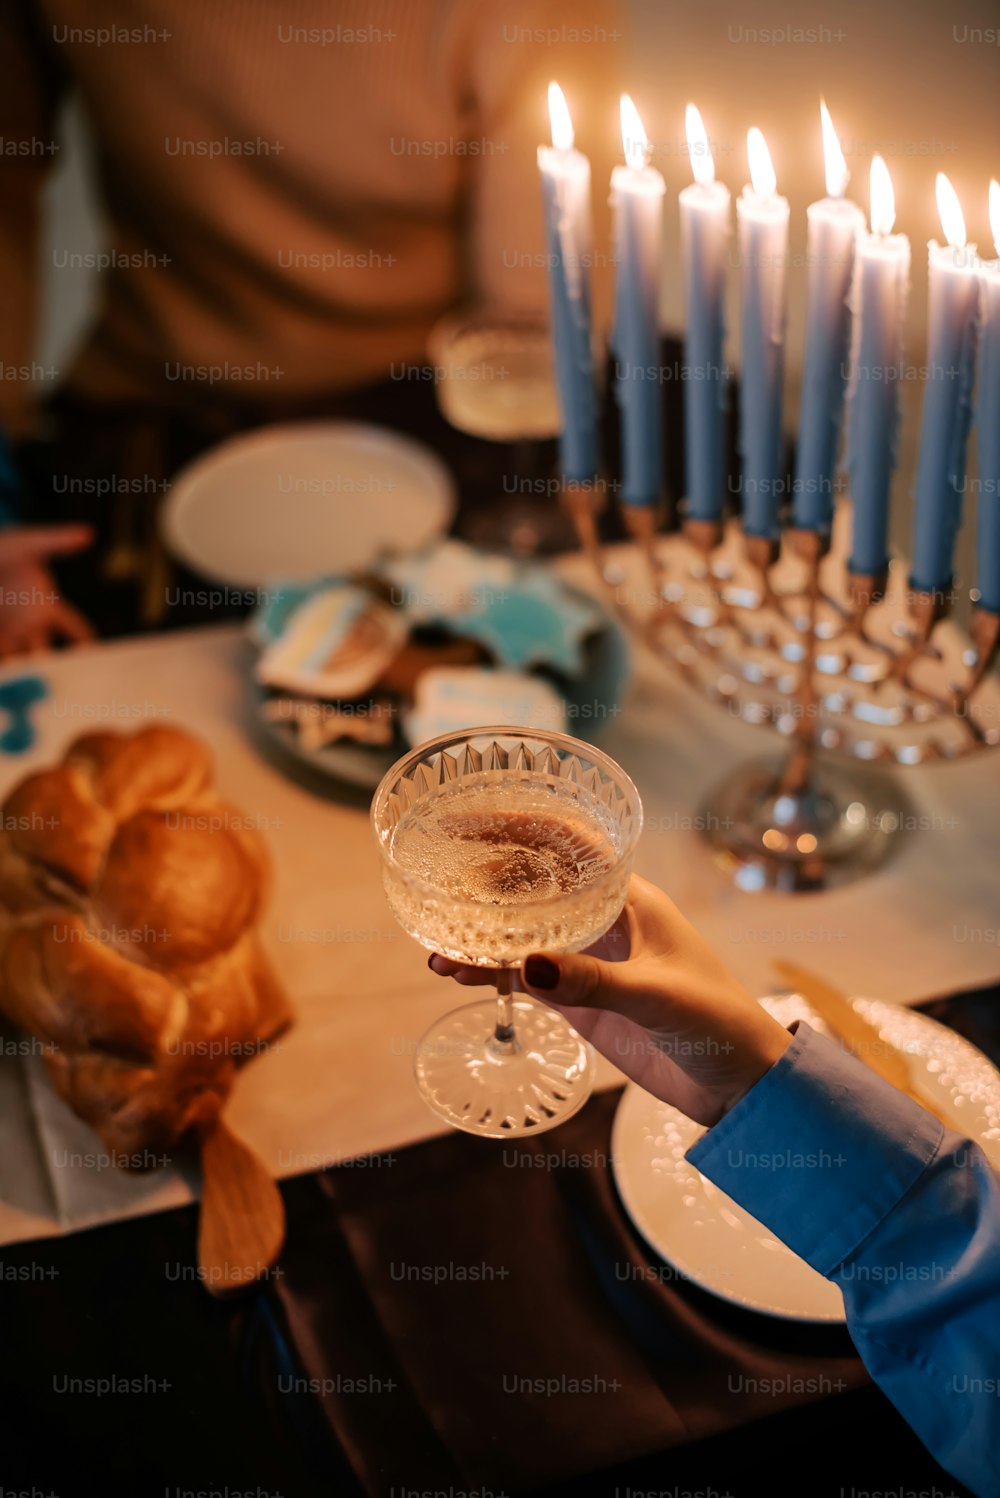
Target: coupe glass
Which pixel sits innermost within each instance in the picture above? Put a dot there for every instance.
(497, 842)
(495, 380)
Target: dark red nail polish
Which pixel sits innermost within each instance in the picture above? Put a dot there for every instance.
(541, 973)
(430, 963)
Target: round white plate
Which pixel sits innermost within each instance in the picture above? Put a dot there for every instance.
(707, 1239)
(288, 503)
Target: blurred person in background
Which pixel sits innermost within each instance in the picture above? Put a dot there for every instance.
(292, 198)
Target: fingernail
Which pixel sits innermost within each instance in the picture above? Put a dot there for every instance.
(540, 972)
(430, 963)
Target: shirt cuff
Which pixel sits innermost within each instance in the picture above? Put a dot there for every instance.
(820, 1150)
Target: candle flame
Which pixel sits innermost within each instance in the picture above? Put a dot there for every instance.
(837, 175)
(995, 213)
(634, 140)
(562, 125)
(761, 169)
(950, 210)
(698, 147)
(883, 199)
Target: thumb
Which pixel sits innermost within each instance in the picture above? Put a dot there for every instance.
(33, 543)
(574, 979)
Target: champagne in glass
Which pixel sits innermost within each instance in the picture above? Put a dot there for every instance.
(495, 843)
(495, 380)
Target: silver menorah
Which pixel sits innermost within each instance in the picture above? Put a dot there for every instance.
(846, 667)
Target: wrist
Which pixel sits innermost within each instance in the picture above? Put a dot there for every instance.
(765, 1046)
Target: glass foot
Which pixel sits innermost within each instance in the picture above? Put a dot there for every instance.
(507, 1089)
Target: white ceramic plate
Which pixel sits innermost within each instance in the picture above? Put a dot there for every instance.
(707, 1239)
(287, 503)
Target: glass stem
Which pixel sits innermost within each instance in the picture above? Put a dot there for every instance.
(504, 1042)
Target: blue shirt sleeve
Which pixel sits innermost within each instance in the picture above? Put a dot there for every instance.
(900, 1212)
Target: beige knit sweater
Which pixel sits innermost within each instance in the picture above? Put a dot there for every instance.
(294, 192)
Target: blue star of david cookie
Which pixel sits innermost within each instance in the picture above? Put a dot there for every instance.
(535, 622)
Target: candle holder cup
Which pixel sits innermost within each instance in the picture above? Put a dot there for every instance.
(846, 667)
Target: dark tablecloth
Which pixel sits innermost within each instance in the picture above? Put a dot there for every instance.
(462, 1316)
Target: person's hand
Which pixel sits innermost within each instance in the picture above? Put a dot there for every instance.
(33, 616)
(653, 997)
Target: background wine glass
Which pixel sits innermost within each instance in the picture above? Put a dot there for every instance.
(495, 380)
(497, 842)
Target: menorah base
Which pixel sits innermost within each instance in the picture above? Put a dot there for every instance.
(801, 824)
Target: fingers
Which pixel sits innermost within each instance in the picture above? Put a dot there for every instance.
(34, 543)
(69, 624)
(443, 966)
(62, 622)
(467, 975)
(28, 642)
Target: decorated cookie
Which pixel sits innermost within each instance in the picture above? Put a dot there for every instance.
(536, 622)
(319, 723)
(335, 644)
(451, 698)
(269, 619)
(522, 614)
(446, 582)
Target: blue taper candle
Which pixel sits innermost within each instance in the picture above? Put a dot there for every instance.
(834, 228)
(565, 175)
(988, 424)
(881, 286)
(763, 238)
(705, 209)
(637, 202)
(953, 308)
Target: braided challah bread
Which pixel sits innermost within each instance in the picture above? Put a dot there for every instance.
(129, 894)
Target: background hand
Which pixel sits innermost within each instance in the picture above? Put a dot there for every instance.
(33, 615)
(653, 997)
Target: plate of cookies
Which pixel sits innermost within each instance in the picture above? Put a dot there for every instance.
(354, 669)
